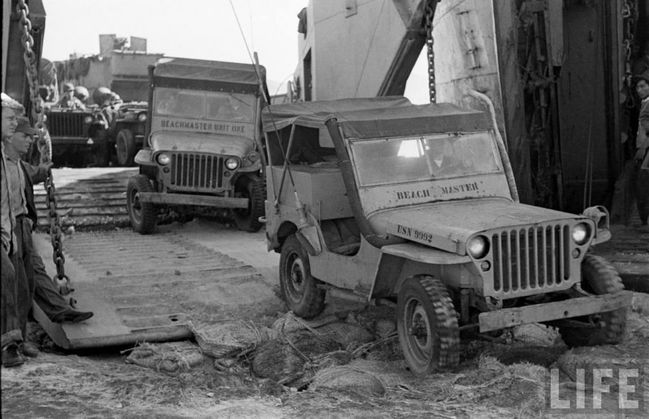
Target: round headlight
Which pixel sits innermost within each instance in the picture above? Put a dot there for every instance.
(141, 117)
(253, 156)
(87, 119)
(163, 159)
(478, 247)
(232, 163)
(580, 233)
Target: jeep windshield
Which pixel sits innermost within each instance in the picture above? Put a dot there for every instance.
(216, 106)
(431, 157)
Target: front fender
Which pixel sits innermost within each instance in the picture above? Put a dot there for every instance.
(144, 157)
(398, 261)
(600, 216)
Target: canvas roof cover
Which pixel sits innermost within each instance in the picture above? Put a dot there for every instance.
(219, 71)
(377, 117)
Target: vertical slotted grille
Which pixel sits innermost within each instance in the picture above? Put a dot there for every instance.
(196, 171)
(531, 257)
(65, 124)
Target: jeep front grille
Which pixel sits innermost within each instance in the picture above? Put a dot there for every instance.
(66, 124)
(196, 172)
(527, 258)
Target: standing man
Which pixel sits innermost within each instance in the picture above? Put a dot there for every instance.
(12, 269)
(22, 213)
(642, 150)
(45, 293)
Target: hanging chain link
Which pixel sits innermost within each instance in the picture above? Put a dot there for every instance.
(45, 146)
(628, 24)
(430, 13)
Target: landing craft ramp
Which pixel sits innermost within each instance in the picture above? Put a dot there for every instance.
(148, 288)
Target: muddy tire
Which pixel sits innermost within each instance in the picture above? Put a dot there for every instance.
(253, 188)
(125, 147)
(427, 325)
(598, 277)
(299, 289)
(143, 215)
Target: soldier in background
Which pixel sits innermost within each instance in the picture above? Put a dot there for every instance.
(82, 94)
(68, 100)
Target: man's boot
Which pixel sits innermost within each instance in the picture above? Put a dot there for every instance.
(72, 316)
(11, 357)
(29, 349)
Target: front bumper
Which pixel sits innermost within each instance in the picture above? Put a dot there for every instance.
(573, 307)
(78, 141)
(197, 200)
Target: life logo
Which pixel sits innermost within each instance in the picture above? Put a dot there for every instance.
(599, 390)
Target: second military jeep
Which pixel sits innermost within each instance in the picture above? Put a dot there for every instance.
(203, 132)
(378, 200)
(78, 136)
(126, 130)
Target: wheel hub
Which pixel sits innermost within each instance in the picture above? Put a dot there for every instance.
(296, 275)
(137, 206)
(419, 327)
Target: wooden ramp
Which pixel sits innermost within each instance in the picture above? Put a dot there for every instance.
(148, 288)
(92, 198)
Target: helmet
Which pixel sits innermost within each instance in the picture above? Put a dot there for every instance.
(68, 87)
(100, 95)
(115, 98)
(81, 93)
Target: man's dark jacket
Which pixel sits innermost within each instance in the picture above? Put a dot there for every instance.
(33, 174)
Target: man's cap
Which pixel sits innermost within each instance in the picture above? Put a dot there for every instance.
(68, 87)
(9, 102)
(642, 76)
(25, 127)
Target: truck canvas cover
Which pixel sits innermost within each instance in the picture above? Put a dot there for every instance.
(191, 71)
(377, 117)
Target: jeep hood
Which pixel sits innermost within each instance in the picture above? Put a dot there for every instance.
(202, 143)
(448, 225)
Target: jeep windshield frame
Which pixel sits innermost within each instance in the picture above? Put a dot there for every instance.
(431, 157)
(204, 105)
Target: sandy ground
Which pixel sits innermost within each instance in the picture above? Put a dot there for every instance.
(102, 384)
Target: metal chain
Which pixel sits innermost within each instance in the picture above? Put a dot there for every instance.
(31, 73)
(628, 24)
(430, 13)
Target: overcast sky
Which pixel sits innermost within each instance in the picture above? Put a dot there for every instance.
(205, 29)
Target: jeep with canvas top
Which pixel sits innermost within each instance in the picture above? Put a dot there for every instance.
(381, 201)
(203, 131)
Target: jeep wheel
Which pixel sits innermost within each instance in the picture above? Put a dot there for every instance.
(143, 215)
(125, 147)
(427, 325)
(299, 289)
(253, 188)
(598, 277)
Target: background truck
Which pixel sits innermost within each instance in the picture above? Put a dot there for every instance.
(203, 135)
